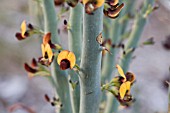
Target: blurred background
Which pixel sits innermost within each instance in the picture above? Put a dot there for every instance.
(151, 64)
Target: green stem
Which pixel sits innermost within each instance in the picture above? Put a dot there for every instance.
(133, 41)
(75, 39)
(109, 63)
(111, 104)
(109, 60)
(62, 85)
(50, 19)
(36, 14)
(128, 10)
(91, 63)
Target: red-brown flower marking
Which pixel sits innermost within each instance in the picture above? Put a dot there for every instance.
(66, 59)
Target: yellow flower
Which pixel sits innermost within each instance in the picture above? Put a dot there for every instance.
(66, 59)
(23, 31)
(127, 81)
(47, 52)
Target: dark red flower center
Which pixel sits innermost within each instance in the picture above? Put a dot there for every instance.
(64, 64)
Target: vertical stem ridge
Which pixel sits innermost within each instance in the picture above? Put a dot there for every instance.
(91, 63)
(75, 40)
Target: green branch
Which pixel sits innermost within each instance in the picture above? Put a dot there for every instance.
(91, 63)
(75, 40)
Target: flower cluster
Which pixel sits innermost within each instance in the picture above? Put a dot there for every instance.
(66, 59)
(120, 87)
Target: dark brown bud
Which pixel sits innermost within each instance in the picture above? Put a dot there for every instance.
(166, 43)
(47, 98)
(53, 104)
(34, 63)
(30, 26)
(65, 22)
(19, 36)
(29, 69)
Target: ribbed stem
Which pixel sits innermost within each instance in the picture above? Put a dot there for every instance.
(62, 85)
(75, 40)
(91, 63)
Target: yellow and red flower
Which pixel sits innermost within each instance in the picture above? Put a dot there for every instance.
(23, 30)
(66, 59)
(127, 80)
(46, 47)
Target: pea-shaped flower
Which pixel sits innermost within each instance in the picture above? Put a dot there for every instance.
(66, 59)
(128, 79)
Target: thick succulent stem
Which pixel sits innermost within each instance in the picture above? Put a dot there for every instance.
(62, 85)
(75, 40)
(91, 63)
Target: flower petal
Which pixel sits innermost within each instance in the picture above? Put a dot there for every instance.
(128, 83)
(99, 3)
(43, 50)
(130, 77)
(120, 70)
(122, 90)
(114, 13)
(49, 52)
(72, 58)
(85, 1)
(47, 38)
(23, 28)
(62, 55)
